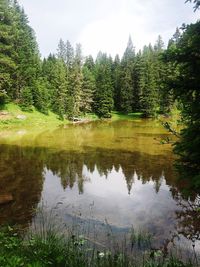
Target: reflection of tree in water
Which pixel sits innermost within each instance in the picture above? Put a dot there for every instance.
(188, 217)
(21, 176)
(69, 166)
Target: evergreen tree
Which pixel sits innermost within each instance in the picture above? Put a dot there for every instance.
(88, 89)
(148, 86)
(7, 63)
(55, 78)
(165, 95)
(76, 80)
(89, 63)
(103, 101)
(26, 52)
(127, 90)
(41, 95)
(186, 83)
(137, 74)
(62, 51)
(116, 75)
(49, 75)
(26, 98)
(69, 55)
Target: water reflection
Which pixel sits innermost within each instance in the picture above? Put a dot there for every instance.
(21, 176)
(127, 188)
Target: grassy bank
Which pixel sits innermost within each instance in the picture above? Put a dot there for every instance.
(51, 249)
(12, 116)
(130, 116)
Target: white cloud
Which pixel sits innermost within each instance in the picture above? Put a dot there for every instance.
(105, 25)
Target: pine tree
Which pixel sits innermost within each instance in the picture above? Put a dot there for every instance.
(116, 75)
(149, 98)
(103, 101)
(69, 55)
(164, 94)
(88, 89)
(26, 51)
(26, 99)
(41, 95)
(49, 75)
(62, 51)
(7, 63)
(89, 63)
(55, 78)
(137, 77)
(75, 82)
(126, 92)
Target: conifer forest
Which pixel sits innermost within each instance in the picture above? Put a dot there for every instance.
(148, 85)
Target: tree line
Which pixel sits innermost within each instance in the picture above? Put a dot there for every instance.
(149, 81)
(70, 84)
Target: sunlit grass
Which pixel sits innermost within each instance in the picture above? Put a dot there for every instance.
(121, 116)
(33, 118)
(37, 119)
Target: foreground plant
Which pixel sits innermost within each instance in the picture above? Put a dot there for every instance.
(74, 251)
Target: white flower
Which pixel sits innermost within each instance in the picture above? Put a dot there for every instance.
(101, 254)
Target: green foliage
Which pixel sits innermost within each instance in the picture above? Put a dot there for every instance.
(26, 99)
(63, 84)
(126, 81)
(186, 80)
(103, 99)
(3, 98)
(41, 96)
(141, 239)
(54, 249)
(88, 89)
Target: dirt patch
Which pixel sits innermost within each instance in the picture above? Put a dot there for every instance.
(4, 115)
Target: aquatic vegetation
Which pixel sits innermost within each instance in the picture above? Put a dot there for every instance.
(74, 251)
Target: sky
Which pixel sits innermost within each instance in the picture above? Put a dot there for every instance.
(105, 24)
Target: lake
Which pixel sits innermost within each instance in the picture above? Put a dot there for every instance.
(100, 173)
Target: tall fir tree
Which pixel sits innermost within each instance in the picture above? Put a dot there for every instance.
(62, 51)
(76, 80)
(148, 85)
(126, 81)
(26, 52)
(88, 89)
(116, 75)
(103, 100)
(7, 62)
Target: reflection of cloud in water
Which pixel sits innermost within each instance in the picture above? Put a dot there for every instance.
(143, 208)
(126, 188)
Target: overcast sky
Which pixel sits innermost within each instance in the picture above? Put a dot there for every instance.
(105, 24)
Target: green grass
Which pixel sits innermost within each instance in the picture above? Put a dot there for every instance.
(50, 248)
(121, 116)
(34, 118)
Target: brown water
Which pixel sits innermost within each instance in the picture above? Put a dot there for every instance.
(116, 172)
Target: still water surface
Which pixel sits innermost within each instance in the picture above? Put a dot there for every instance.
(116, 172)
